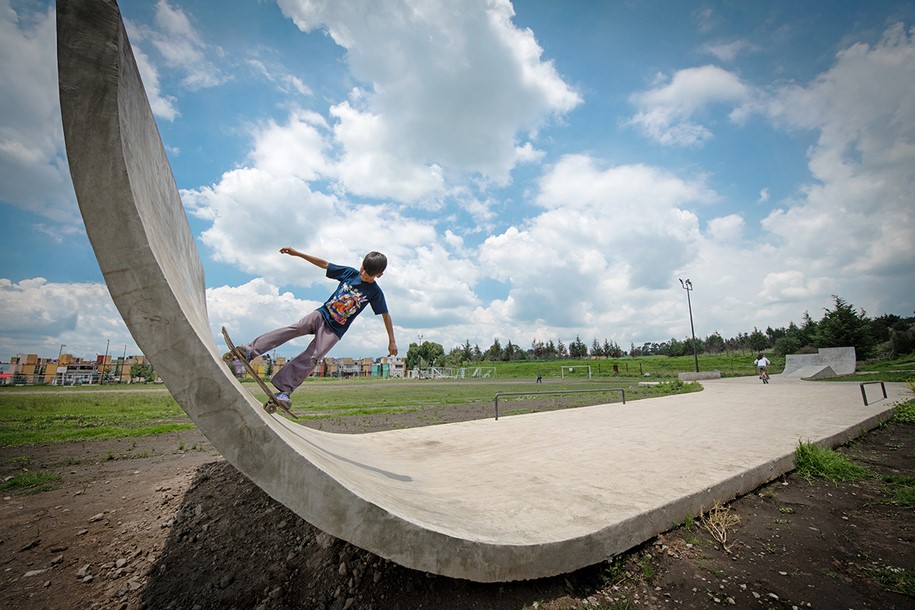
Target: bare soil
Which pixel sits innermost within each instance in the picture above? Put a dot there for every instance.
(165, 522)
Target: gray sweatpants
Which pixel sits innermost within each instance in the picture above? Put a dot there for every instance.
(296, 370)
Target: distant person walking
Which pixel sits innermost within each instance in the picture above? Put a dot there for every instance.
(539, 378)
(762, 365)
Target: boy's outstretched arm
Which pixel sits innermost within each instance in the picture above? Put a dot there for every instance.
(314, 260)
(389, 326)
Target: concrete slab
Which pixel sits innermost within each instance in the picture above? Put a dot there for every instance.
(839, 361)
(518, 498)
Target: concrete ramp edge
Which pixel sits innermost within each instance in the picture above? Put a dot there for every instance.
(138, 228)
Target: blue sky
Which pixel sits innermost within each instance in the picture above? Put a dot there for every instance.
(543, 170)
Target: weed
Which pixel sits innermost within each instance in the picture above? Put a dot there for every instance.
(898, 580)
(717, 572)
(31, 482)
(645, 567)
(718, 521)
(785, 510)
(781, 521)
(901, 489)
(615, 569)
(905, 413)
(815, 462)
(690, 522)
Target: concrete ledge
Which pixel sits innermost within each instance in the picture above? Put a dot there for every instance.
(700, 375)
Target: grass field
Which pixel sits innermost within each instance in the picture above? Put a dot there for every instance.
(48, 414)
(31, 416)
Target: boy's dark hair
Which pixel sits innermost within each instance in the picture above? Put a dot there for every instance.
(374, 263)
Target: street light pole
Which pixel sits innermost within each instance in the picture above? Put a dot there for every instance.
(688, 287)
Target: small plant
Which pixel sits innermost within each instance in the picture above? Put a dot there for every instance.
(718, 521)
(781, 521)
(785, 510)
(690, 522)
(898, 580)
(815, 462)
(904, 413)
(645, 567)
(901, 489)
(31, 482)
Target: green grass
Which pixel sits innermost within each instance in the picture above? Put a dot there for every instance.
(29, 417)
(32, 418)
(815, 462)
(904, 413)
(31, 482)
(898, 580)
(901, 490)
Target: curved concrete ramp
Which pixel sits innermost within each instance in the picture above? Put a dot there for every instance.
(519, 498)
(136, 223)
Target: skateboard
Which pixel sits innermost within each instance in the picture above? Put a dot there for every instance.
(272, 403)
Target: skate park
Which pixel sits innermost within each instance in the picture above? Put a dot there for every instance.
(518, 498)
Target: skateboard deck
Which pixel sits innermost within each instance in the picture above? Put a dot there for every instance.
(272, 403)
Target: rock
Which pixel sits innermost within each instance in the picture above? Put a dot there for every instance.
(32, 573)
(97, 517)
(225, 581)
(83, 571)
(57, 560)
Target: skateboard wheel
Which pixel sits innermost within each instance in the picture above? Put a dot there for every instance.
(270, 407)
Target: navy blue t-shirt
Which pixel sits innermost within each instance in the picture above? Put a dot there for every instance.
(350, 298)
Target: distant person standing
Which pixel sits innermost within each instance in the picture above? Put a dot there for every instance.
(539, 378)
(762, 365)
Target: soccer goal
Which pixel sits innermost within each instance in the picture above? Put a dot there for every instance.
(570, 370)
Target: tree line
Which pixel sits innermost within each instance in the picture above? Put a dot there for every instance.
(886, 336)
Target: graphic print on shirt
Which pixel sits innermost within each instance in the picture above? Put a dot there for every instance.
(345, 303)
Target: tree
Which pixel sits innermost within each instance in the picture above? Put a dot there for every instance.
(142, 371)
(577, 348)
(494, 353)
(714, 343)
(425, 355)
(757, 340)
(842, 327)
(596, 349)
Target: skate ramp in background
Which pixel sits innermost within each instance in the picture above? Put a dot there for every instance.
(827, 362)
(518, 498)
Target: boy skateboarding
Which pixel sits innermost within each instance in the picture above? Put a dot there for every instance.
(328, 323)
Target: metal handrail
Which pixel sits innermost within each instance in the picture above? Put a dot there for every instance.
(864, 394)
(498, 394)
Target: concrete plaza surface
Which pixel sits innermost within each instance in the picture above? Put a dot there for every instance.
(611, 475)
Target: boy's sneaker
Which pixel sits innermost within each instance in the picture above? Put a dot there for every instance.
(283, 399)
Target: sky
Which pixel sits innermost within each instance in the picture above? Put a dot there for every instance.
(533, 171)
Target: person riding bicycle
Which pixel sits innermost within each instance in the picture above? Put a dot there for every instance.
(762, 365)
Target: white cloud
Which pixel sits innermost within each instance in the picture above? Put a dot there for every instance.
(727, 228)
(763, 196)
(857, 220)
(39, 316)
(33, 167)
(163, 106)
(182, 47)
(610, 238)
(667, 112)
(452, 84)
